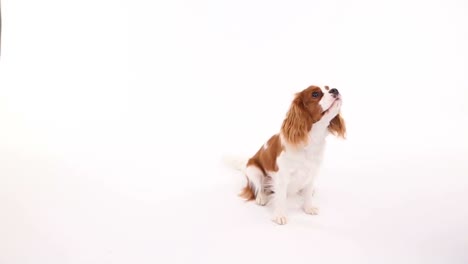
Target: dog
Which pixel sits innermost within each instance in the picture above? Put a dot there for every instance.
(289, 161)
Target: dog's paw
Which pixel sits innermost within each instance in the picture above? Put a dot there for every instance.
(261, 199)
(280, 220)
(311, 210)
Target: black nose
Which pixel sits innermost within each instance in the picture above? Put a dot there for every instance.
(334, 91)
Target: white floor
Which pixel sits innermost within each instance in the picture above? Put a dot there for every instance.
(373, 210)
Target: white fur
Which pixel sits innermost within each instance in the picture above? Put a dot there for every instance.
(255, 176)
(327, 100)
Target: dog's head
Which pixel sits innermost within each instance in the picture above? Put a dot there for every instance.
(308, 107)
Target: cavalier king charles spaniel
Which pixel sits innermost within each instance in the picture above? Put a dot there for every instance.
(289, 161)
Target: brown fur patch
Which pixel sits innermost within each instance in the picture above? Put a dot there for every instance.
(247, 192)
(303, 112)
(338, 126)
(265, 160)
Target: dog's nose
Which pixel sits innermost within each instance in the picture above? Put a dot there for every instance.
(334, 91)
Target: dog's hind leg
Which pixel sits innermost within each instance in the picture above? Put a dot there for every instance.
(256, 186)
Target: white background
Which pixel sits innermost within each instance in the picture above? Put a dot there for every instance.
(115, 116)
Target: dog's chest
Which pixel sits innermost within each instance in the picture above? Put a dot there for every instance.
(301, 166)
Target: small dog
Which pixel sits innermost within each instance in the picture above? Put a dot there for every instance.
(289, 161)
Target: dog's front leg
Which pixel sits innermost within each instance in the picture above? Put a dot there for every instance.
(308, 193)
(279, 201)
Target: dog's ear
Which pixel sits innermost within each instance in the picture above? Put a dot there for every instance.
(296, 125)
(337, 126)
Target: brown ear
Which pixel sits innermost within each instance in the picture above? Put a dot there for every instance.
(296, 125)
(337, 126)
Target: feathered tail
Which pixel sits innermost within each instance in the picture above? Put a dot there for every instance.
(235, 163)
(239, 164)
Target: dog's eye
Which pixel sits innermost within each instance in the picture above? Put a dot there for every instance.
(315, 94)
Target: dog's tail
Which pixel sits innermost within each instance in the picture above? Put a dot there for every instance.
(239, 164)
(247, 192)
(235, 163)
